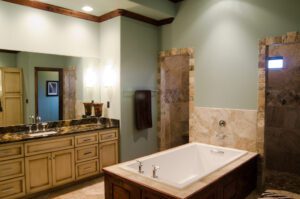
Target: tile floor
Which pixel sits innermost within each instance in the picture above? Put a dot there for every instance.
(93, 189)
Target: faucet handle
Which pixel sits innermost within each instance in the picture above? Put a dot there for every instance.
(154, 172)
(31, 119)
(139, 162)
(44, 124)
(140, 166)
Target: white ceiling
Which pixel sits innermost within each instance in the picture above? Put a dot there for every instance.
(104, 6)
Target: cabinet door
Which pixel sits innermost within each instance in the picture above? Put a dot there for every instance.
(63, 167)
(38, 172)
(108, 154)
(12, 81)
(13, 110)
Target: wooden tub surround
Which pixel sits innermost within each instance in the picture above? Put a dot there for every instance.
(30, 166)
(234, 181)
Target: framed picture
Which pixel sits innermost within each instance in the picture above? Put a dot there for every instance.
(52, 88)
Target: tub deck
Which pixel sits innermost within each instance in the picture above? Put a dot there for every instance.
(235, 180)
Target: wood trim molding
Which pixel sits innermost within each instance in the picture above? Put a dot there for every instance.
(55, 9)
(9, 51)
(89, 17)
(175, 1)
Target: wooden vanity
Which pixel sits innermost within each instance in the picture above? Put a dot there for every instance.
(36, 165)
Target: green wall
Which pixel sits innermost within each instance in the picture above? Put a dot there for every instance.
(139, 48)
(225, 36)
(8, 59)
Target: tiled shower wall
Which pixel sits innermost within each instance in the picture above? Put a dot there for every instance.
(239, 131)
(282, 136)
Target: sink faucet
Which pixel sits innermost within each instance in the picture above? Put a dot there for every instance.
(38, 121)
(154, 172)
(140, 166)
(31, 121)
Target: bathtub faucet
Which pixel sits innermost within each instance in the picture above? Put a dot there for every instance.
(140, 166)
(154, 172)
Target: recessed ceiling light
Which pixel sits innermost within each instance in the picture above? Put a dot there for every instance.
(87, 8)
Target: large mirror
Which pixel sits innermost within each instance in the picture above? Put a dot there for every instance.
(53, 87)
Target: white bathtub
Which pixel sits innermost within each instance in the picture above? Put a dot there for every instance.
(181, 166)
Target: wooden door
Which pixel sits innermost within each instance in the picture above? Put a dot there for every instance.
(38, 172)
(63, 167)
(108, 154)
(12, 96)
(12, 81)
(13, 110)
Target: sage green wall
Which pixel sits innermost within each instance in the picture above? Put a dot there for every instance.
(225, 36)
(8, 59)
(139, 48)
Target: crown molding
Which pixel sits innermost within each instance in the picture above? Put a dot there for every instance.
(89, 17)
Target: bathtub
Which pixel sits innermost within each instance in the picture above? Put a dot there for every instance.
(181, 166)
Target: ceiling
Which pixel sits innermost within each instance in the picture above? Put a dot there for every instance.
(102, 7)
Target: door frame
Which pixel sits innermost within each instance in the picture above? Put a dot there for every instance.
(60, 95)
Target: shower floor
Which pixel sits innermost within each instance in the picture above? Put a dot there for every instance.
(283, 181)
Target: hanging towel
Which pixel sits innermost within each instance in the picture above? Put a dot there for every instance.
(142, 106)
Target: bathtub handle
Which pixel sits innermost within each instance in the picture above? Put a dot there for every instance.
(154, 172)
(140, 166)
(217, 151)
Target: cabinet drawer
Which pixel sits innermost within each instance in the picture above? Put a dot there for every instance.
(12, 188)
(86, 153)
(82, 140)
(38, 147)
(108, 135)
(11, 151)
(86, 169)
(11, 169)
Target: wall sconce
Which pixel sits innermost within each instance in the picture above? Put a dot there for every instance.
(109, 77)
(90, 78)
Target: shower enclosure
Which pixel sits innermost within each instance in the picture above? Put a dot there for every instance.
(282, 128)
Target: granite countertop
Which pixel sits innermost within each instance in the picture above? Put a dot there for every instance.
(174, 192)
(16, 136)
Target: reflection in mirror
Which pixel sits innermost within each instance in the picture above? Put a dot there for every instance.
(53, 87)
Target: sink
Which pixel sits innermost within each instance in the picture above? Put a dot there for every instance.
(42, 133)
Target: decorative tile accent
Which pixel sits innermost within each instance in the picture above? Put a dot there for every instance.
(69, 95)
(239, 132)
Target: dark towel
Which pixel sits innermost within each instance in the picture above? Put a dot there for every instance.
(142, 105)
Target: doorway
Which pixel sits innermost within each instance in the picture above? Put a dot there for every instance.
(279, 112)
(49, 93)
(176, 96)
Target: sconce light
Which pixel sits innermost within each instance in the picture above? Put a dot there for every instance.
(109, 77)
(90, 78)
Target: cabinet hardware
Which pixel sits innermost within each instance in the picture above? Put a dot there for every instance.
(7, 189)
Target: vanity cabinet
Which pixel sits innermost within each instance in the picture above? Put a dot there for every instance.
(108, 153)
(11, 96)
(38, 172)
(12, 171)
(33, 166)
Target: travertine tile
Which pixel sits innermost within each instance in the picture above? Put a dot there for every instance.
(239, 132)
(93, 189)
